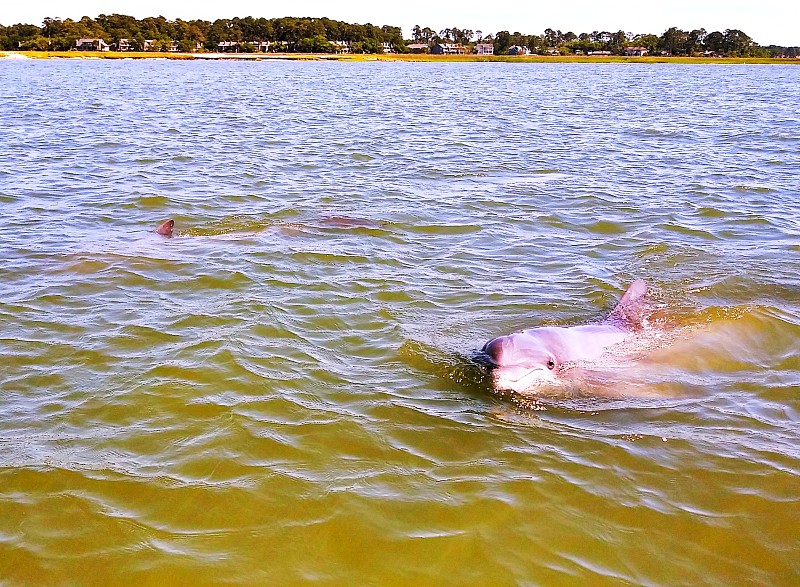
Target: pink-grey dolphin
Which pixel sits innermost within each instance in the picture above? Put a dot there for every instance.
(538, 356)
(165, 228)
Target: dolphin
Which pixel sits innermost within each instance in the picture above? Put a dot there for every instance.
(165, 228)
(535, 357)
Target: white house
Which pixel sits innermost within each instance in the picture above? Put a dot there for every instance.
(484, 49)
(341, 46)
(91, 45)
(635, 51)
(418, 47)
(448, 49)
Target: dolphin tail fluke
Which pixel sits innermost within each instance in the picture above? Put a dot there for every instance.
(632, 308)
(165, 228)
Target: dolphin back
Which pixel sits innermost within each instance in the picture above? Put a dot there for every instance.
(632, 307)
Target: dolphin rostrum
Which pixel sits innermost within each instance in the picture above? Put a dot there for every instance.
(537, 356)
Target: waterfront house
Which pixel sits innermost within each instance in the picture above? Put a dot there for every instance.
(387, 47)
(599, 53)
(484, 49)
(635, 51)
(517, 50)
(91, 45)
(228, 46)
(341, 46)
(448, 49)
(418, 47)
(148, 44)
(122, 45)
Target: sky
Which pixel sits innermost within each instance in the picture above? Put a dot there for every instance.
(771, 23)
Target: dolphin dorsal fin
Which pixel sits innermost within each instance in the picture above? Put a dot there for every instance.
(631, 309)
(636, 290)
(165, 228)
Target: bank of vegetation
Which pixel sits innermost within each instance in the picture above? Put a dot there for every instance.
(322, 35)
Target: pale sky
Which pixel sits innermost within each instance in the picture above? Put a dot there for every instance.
(775, 22)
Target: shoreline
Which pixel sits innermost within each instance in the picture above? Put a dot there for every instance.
(419, 58)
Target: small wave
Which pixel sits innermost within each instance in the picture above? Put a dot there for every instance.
(753, 188)
(152, 201)
(450, 229)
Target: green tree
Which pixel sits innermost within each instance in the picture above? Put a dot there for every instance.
(694, 41)
(37, 43)
(372, 46)
(673, 41)
(649, 42)
(502, 42)
(315, 44)
(736, 42)
(714, 42)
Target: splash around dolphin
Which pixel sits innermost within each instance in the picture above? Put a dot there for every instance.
(526, 360)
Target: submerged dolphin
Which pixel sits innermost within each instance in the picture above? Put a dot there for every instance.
(537, 356)
(166, 227)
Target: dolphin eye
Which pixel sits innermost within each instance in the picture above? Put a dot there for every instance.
(551, 364)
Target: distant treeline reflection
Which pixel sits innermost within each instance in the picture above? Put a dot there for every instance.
(322, 35)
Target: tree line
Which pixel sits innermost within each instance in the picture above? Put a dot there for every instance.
(674, 41)
(288, 34)
(315, 35)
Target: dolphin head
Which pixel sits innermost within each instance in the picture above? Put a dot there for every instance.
(520, 362)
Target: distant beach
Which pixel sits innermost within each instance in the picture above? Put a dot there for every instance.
(392, 57)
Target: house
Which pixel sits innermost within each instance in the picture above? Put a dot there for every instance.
(599, 53)
(173, 46)
(635, 51)
(341, 46)
(484, 49)
(148, 44)
(227, 46)
(517, 50)
(387, 47)
(553, 52)
(448, 49)
(91, 45)
(123, 45)
(260, 46)
(418, 47)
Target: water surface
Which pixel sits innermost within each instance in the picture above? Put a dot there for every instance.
(280, 394)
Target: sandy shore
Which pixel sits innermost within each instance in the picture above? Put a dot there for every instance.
(388, 57)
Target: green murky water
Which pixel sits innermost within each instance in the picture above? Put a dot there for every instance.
(282, 393)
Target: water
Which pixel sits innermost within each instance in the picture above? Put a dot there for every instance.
(282, 392)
